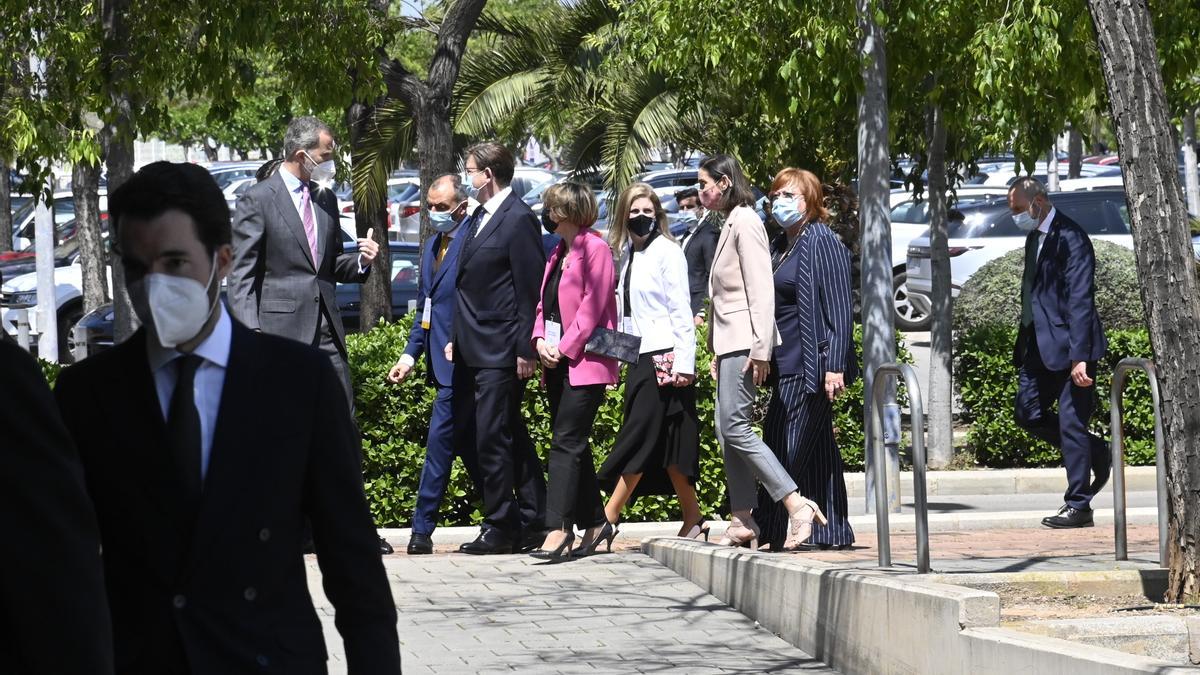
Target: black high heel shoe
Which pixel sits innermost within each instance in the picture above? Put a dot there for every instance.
(563, 552)
(606, 535)
(700, 529)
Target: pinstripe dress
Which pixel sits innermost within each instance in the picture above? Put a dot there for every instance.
(814, 315)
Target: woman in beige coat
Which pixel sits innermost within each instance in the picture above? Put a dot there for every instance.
(742, 336)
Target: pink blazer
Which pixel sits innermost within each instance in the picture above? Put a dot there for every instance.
(587, 298)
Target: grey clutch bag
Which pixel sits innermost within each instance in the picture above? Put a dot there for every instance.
(614, 344)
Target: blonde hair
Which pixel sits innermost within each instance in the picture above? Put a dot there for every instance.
(574, 201)
(618, 224)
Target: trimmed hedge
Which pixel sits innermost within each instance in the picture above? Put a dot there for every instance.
(992, 296)
(394, 421)
(987, 387)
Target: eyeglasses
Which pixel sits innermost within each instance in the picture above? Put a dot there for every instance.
(471, 172)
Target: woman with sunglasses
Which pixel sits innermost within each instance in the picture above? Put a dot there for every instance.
(742, 337)
(657, 449)
(815, 362)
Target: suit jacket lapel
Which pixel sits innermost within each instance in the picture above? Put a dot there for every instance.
(494, 223)
(287, 210)
(450, 261)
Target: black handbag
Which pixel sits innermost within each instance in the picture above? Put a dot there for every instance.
(614, 345)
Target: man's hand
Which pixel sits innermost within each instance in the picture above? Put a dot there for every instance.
(525, 368)
(698, 320)
(1079, 374)
(449, 352)
(835, 384)
(368, 248)
(399, 372)
(712, 368)
(761, 370)
(548, 355)
(682, 380)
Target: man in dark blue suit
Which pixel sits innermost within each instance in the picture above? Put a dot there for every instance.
(430, 333)
(1058, 344)
(500, 266)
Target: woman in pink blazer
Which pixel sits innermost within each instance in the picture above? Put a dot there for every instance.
(578, 295)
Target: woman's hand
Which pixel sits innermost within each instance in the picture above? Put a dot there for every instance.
(549, 356)
(683, 379)
(835, 384)
(712, 368)
(760, 370)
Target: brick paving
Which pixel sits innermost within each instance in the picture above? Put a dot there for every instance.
(618, 613)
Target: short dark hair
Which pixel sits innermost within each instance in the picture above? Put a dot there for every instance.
(687, 193)
(161, 186)
(499, 159)
(268, 169)
(739, 192)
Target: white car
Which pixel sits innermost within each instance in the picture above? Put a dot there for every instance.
(20, 293)
(988, 232)
(64, 212)
(1003, 174)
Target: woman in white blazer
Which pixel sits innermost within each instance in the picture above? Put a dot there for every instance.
(657, 448)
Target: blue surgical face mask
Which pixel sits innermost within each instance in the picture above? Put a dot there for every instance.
(688, 217)
(679, 227)
(786, 211)
(442, 221)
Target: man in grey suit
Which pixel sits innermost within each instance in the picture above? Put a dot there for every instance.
(287, 248)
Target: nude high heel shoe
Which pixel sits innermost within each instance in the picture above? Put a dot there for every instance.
(739, 534)
(800, 524)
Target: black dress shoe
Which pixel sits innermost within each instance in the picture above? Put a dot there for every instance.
(490, 541)
(384, 547)
(531, 540)
(420, 544)
(1069, 518)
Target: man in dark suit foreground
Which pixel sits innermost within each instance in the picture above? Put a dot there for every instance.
(1058, 344)
(205, 446)
(53, 612)
(500, 265)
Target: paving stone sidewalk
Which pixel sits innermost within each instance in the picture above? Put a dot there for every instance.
(614, 613)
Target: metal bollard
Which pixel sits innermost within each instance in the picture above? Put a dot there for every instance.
(79, 349)
(412, 305)
(23, 328)
(1120, 374)
(921, 506)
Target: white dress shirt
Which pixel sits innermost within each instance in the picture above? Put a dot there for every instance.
(208, 384)
(490, 207)
(661, 301)
(1044, 229)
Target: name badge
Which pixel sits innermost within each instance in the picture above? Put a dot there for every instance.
(627, 325)
(553, 333)
(427, 314)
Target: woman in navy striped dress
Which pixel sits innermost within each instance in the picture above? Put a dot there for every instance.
(815, 362)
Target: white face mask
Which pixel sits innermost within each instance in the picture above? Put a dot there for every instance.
(322, 173)
(178, 307)
(1025, 220)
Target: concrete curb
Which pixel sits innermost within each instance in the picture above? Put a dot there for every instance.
(899, 523)
(860, 621)
(1000, 482)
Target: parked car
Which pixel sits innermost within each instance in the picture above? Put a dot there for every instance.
(405, 275)
(235, 189)
(16, 263)
(63, 207)
(404, 209)
(225, 173)
(20, 293)
(988, 232)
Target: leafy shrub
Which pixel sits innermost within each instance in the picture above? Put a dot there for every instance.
(992, 296)
(987, 388)
(394, 421)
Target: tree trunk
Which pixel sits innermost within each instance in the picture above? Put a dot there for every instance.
(879, 335)
(119, 163)
(1098, 147)
(1190, 179)
(1075, 153)
(85, 182)
(1165, 263)
(376, 294)
(6, 223)
(941, 419)
(1052, 168)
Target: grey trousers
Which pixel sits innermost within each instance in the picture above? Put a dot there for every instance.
(747, 457)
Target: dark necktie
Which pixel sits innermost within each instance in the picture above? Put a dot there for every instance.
(183, 428)
(1031, 254)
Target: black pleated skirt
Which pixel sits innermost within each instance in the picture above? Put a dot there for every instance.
(660, 429)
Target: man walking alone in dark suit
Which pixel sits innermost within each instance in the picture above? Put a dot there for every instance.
(1058, 344)
(287, 249)
(699, 244)
(205, 447)
(427, 340)
(500, 268)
